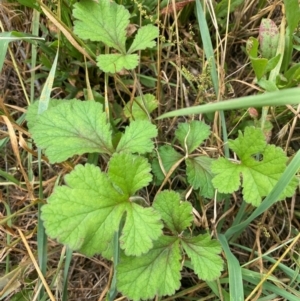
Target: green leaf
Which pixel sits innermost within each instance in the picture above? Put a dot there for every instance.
(155, 273)
(259, 66)
(252, 47)
(272, 63)
(32, 112)
(103, 21)
(176, 214)
(144, 38)
(168, 157)
(199, 175)
(227, 175)
(142, 226)
(267, 85)
(291, 78)
(203, 252)
(139, 107)
(268, 38)
(137, 171)
(191, 135)
(261, 166)
(292, 14)
(137, 137)
(85, 214)
(73, 128)
(115, 62)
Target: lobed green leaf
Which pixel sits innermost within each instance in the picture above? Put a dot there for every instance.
(115, 62)
(104, 21)
(129, 173)
(154, 273)
(203, 252)
(144, 38)
(72, 128)
(141, 107)
(176, 214)
(261, 166)
(137, 137)
(142, 227)
(199, 175)
(168, 157)
(191, 135)
(84, 214)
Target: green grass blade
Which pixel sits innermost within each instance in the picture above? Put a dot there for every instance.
(69, 254)
(277, 98)
(216, 289)
(209, 53)
(45, 95)
(255, 278)
(207, 45)
(9, 177)
(3, 47)
(292, 274)
(41, 235)
(293, 17)
(271, 199)
(6, 37)
(236, 291)
(35, 31)
(113, 287)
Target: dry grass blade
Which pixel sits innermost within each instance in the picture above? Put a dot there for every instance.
(296, 239)
(65, 31)
(36, 266)
(10, 282)
(14, 143)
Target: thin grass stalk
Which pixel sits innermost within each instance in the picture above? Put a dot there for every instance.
(8, 236)
(20, 78)
(35, 31)
(37, 268)
(209, 53)
(112, 293)
(296, 239)
(68, 259)
(280, 291)
(216, 287)
(41, 234)
(8, 213)
(294, 275)
(158, 65)
(178, 70)
(106, 101)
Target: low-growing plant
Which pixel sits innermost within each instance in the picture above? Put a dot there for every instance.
(86, 213)
(155, 234)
